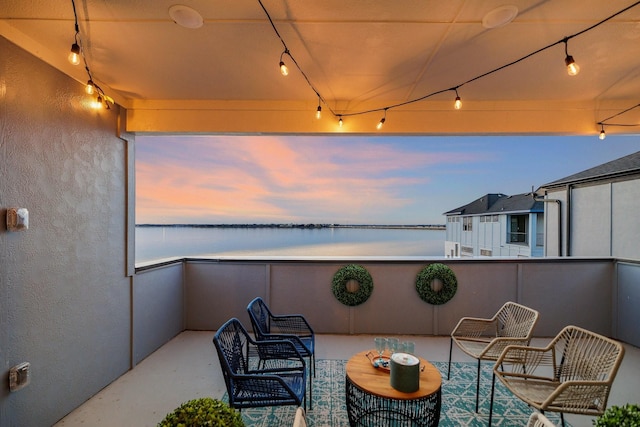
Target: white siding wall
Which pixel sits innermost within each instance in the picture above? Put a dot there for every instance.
(604, 220)
(625, 228)
(591, 221)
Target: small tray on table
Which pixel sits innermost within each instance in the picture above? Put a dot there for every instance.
(375, 360)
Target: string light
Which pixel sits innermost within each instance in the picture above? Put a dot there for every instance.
(283, 67)
(319, 110)
(90, 87)
(569, 61)
(340, 121)
(77, 54)
(74, 55)
(602, 123)
(572, 67)
(458, 103)
(382, 120)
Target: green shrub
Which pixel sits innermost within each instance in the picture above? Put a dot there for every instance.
(203, 412)
(619, 416)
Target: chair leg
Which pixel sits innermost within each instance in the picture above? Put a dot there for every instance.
(478, 386)
(493, 385)
(562, 418)
(310, 385)
(450, 349)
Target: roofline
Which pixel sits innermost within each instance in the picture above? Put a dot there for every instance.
(596, 178)
(494, 213)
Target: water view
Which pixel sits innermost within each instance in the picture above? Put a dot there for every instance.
(159, 242)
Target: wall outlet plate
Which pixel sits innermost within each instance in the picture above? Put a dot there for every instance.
(17, 219)
(19, 376)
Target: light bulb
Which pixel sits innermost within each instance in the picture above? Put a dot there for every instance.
(74, 55)
(380, 123)
(98, 104)
(602, 135)
(283, 69)
(340, 122)
(319, 112)
(90, 87)
(572, 68)
(458, 103)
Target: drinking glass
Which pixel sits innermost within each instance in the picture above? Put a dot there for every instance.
(381, 344)
(392, 344)
(409, 347)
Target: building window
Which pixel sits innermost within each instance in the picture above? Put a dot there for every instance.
(518, 226)
(467, 223)
(489, 218)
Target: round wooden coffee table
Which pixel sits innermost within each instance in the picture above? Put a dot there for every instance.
(371, 401)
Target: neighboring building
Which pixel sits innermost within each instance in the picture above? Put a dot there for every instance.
(496, 225)
(595, 212)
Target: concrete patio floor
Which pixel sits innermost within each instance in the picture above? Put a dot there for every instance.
(187, 367)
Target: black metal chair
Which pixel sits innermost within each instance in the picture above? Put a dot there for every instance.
(257, 374)
(293, 327)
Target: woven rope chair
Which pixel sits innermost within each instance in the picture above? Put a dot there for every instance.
(538, 420)
(293, 327)
(573, 374)
(484, 339)
(257, 374)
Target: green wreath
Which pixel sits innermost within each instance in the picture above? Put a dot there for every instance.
(360, 275)
(445, 275)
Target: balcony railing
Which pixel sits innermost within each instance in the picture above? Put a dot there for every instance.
(202, 294)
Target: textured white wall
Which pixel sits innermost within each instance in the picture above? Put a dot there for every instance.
(64, 296)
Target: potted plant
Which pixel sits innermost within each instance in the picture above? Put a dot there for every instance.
(619, 416)
(203, 412)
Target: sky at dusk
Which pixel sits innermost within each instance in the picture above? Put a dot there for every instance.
(347, 179)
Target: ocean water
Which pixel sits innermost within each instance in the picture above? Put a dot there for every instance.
(159, 242)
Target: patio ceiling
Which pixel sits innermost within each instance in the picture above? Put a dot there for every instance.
(358, 55)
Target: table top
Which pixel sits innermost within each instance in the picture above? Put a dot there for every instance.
(377, 381)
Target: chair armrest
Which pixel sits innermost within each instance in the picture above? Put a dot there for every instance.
(583, 394)
(472, 327)
(497, 345)
(283, 348)
(262, 383)
(526, 360)
(295, 339)
(291, 324)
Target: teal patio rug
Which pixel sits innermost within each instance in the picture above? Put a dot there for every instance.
(458, 400)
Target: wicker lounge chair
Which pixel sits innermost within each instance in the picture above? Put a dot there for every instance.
(573, 374)
(538, 420)
(484, 339)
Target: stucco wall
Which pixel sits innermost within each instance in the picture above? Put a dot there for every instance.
(158, 308)
(64, 296)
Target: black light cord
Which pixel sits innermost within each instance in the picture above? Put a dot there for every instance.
(288, 53)
(603, 122)
(454, 88)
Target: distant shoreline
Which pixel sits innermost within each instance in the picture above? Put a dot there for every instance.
(408, 227)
